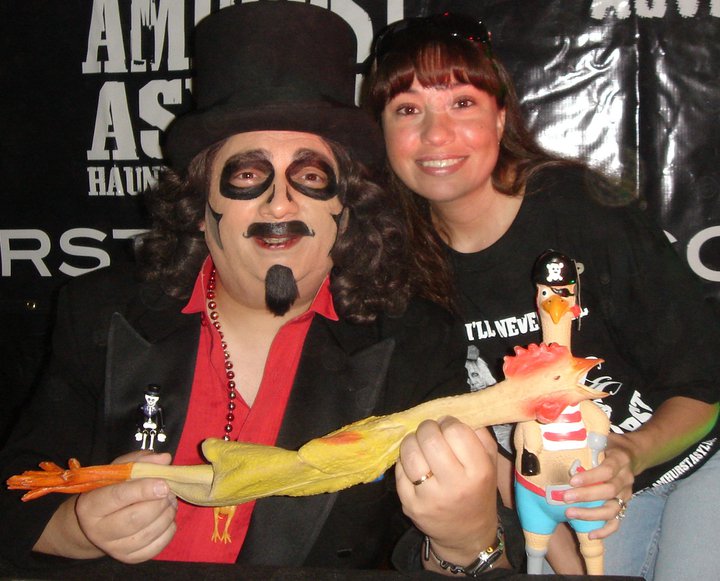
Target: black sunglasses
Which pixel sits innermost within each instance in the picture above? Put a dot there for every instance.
(438, 25)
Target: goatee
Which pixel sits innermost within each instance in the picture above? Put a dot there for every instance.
(280, 289)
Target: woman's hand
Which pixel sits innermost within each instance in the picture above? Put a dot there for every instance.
(447, 482)
(131, 521)
(611, 480)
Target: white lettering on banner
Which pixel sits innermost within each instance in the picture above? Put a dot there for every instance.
(69, 247)
(693, 253)
(112, 121)
(68, 243)
(168, 17)
(106, 48)
(35, 255)
(151, 111)
(121, 180)
(648, 8)
(114, 136)
(105, 31)
(128, 128)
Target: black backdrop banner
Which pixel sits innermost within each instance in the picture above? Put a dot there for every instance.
(87, 88)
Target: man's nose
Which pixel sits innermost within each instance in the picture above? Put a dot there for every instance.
(280, 201)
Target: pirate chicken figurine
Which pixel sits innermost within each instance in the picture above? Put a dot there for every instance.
(549, 454)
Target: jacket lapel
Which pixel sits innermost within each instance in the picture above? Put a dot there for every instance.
(341, 379)
(133, 363)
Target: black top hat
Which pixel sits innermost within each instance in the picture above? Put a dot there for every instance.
(277, 66)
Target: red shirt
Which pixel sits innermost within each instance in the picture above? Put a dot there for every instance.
(258, 424)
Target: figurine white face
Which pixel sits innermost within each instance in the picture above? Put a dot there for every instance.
(151, 400)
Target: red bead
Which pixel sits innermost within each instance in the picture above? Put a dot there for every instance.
(210, 295)
(231, 385)
(212, 305)
(230, 374)
(228, 365)
(228, 428)
(231, 405)
(230, 417)
(214, 315)
(232, 394)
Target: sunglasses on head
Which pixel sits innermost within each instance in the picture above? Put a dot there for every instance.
(438, 25)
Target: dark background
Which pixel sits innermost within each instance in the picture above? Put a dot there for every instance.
(634, 90)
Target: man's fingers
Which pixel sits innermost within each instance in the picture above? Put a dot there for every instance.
(144, 456)
(156, 529)
(105, 501)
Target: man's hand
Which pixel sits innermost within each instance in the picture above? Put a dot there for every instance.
(131, 521)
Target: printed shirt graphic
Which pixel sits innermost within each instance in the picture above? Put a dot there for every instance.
(497, 302)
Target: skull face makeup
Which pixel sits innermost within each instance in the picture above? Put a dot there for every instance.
(273, 201)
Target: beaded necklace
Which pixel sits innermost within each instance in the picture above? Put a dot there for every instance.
(229, 373)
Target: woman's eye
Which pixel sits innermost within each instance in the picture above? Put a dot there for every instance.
(405, 110)
(464, 102)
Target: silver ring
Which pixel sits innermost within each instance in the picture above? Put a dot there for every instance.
(422, 479)
(623, 508)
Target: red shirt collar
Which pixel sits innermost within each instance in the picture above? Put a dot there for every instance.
(322, 303)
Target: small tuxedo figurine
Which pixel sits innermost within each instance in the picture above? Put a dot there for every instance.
(152, 426)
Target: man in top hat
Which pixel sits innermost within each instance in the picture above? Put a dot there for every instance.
(273, 303)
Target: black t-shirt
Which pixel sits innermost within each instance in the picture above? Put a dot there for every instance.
(643, 312)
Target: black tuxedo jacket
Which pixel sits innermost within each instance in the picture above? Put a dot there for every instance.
(114, 336)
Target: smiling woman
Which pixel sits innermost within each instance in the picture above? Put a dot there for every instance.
(481, 188)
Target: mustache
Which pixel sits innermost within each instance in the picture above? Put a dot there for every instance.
(278, 229)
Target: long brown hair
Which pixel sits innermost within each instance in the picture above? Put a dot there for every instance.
(372, 259)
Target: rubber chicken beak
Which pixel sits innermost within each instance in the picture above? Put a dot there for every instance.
(556, 307)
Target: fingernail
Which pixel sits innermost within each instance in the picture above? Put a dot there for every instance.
(161, 488)
(173, 500)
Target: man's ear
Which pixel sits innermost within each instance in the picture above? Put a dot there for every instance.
(343, 220)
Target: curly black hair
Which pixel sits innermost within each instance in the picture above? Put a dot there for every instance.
(374, 266)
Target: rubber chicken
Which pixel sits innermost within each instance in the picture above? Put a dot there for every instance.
(540, 381)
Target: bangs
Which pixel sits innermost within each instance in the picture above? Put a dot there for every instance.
(435, 64)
